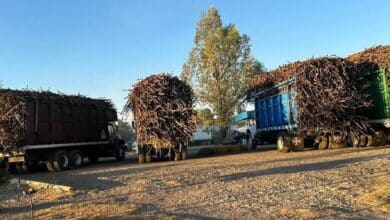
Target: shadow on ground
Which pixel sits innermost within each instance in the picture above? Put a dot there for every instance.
(300, 168)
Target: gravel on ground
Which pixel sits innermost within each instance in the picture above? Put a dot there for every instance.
(265, 184)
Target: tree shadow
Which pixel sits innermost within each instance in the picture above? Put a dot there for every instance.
(87, 179)
(300, 168)
(322, 154)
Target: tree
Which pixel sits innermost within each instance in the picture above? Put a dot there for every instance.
(205, 117)
(125, 130)
(219, 66)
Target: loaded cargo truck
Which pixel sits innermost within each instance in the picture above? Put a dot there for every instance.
(276, 117)
(57, 131)
(164, 117)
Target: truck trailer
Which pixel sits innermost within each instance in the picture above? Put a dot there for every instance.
(276, 114)
(57, 131)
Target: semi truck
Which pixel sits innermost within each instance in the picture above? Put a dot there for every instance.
(276, 117)
(61, 131)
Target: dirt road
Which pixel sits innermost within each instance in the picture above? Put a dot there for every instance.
(346, 183)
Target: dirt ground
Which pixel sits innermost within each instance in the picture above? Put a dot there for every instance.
(343, 184)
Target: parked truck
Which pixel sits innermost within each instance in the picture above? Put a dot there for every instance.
(276, 117)
(246, 127)
(57, 131)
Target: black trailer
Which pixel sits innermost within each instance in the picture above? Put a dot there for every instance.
(56, 130)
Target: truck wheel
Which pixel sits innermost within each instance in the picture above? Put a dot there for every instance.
(76, 158)
(363, 141)
(22, 168)
(184, 154)
(4, 168)
(283, 143)
(148, 158)
(369, 141)
(243, 142)
(49, 166)
(297, 143)
(324, 142)
(178, 156)
(120, 154)
(336, 142)
(355, 141)
(141, 158)
(379, 138)
(60, 160)
(171, 155)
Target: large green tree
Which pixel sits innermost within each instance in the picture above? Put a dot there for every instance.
(205, 117)
(125, 130)
(219, 66)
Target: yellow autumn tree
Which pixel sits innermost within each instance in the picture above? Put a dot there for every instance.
(219, 66)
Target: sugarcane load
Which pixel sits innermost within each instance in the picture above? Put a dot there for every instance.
(163, 111)
(330, 101)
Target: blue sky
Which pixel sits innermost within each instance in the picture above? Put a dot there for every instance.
(99, 48)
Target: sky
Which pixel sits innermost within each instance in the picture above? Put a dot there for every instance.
(100, 48)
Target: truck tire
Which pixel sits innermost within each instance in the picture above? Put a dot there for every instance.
(49, 166)
(324, 142)
(370, 141)
(336, 142)
(120, 153)
(22, 168)
(284, 143)
(243, 141)
(4, 167)
(171, 155)
(76, 158)
(355, 141)
(178, 156)
(60, 160)
(141, 158)
(148, 158)
(363, 141)
(184, 154)
(297, 143)
(379, 138)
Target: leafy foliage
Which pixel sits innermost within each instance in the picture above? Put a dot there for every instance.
(125, 130)
(219, 66)
(205, 117)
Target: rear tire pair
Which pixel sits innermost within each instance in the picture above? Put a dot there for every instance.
(144, 158)
(62, 160)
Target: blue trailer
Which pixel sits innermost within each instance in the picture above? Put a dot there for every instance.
(276, 118)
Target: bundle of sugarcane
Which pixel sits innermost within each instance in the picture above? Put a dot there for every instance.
(12, 120)
(379, 55)
(331, 93)
(14, 112)
(332, 96)
(269, 79)
(162, 106)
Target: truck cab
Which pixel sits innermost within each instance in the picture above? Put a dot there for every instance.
(246, 127)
